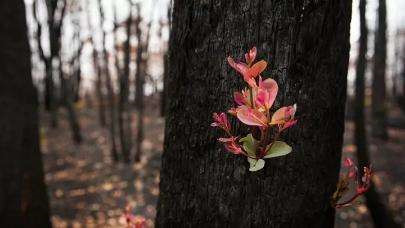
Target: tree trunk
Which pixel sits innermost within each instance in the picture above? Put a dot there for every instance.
(97, 71)
(378, 102)
(110, 91)
(54, 32)
(99, 90)
(49, 97)
(124, 115)
(381, 216)
(67, 100)
(307, 46)
(65, 83)
(77, 71)
(141, 66)
(23, 194)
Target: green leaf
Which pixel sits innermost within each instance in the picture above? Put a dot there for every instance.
(255, 164)
(249, 145)
(277, 149)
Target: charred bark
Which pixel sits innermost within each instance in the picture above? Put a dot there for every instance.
(67, 101)
(124, 115)
(380, 214)
(23, 194)
(307, 46)
(378, 101)
(141, 67)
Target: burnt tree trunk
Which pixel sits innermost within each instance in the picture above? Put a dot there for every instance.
(381, 216)
(23, 195)
(110, 90)
(49, 97)
(66, 84)
(141, 67)
(307, 46)
(54, 32)
(124, 115)
(378, 101)
(67, 101)
(97, 71)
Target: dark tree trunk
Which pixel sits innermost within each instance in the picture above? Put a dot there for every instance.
(54, 31)
(99, 88)
(67, 100)
(110, 91)
(307, 46)
(124, 115)
(66, 84)
(381, 216)
(97, 71)
(49, 97)
(23, 195)
(141, 66)
(77, 71)
(360, 137)
(378, 101)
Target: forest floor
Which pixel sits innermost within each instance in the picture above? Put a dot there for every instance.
(87, 189)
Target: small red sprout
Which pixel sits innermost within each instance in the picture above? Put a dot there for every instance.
(132, 220)
(253, 108)
(362, 184)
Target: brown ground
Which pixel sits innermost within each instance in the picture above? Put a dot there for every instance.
(87, 190)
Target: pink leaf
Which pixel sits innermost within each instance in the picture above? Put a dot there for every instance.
(256, 69)
(251, 117)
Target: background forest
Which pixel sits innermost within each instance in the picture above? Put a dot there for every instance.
(106, 108)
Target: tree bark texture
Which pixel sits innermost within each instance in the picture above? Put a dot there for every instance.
(23, 195)
(378, 101)
(306, 44)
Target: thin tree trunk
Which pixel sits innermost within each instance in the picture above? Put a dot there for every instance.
(97, 71)
(380, 214)
(124, 115)
(49, 97)
(67, 100)
(307, 46)
(23, 194)
(141, 66)
(54, 31)
(78, 72)
(378, 101)
(99, 90)
(66, 87)
(110, 91)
